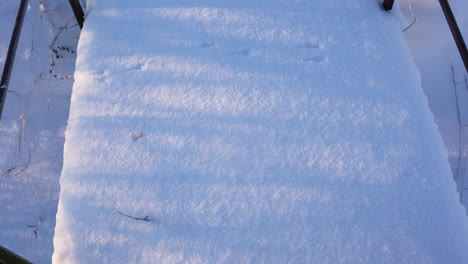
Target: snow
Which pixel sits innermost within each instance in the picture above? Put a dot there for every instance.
(311, 190)
(249, 132)
(33, 126)
(435, 54)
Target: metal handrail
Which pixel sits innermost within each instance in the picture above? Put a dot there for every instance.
(7, 256)
(457, 36)
(78, 11)
(10, 59)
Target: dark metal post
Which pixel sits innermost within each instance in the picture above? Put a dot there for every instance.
(6, 256)
(78, 11)
(457, 36)
(10, 59)
(388, 5)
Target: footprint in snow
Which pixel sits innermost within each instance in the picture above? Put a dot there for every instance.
(135, 67)
(205, 45)
(241, 52)
(310, 45)
(314, 59)
(310, 53)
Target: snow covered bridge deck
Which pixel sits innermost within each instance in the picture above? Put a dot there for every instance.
(252, 132)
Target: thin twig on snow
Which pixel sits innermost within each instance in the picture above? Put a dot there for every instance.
(146, 218)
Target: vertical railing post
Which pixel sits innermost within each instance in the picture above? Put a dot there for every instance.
(10, 59)
(388, 5)
(457, 36)
(78, 11)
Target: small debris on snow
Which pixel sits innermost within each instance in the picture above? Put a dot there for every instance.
(138, 136)
(42, 7)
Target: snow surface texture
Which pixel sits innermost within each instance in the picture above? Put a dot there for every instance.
(252, 132)
(33, 125)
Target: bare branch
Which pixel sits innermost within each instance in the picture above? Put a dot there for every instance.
(146, 218)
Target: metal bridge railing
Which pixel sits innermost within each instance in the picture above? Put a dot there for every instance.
(8, 257)
(457, 36)
(78, 11)
(10, 59)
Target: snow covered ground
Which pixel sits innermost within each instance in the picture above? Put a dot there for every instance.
(33, 125)
(244, 133)
(233, 133)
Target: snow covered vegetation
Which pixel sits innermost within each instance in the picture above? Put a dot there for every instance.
(33, 124)
(208, 131)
